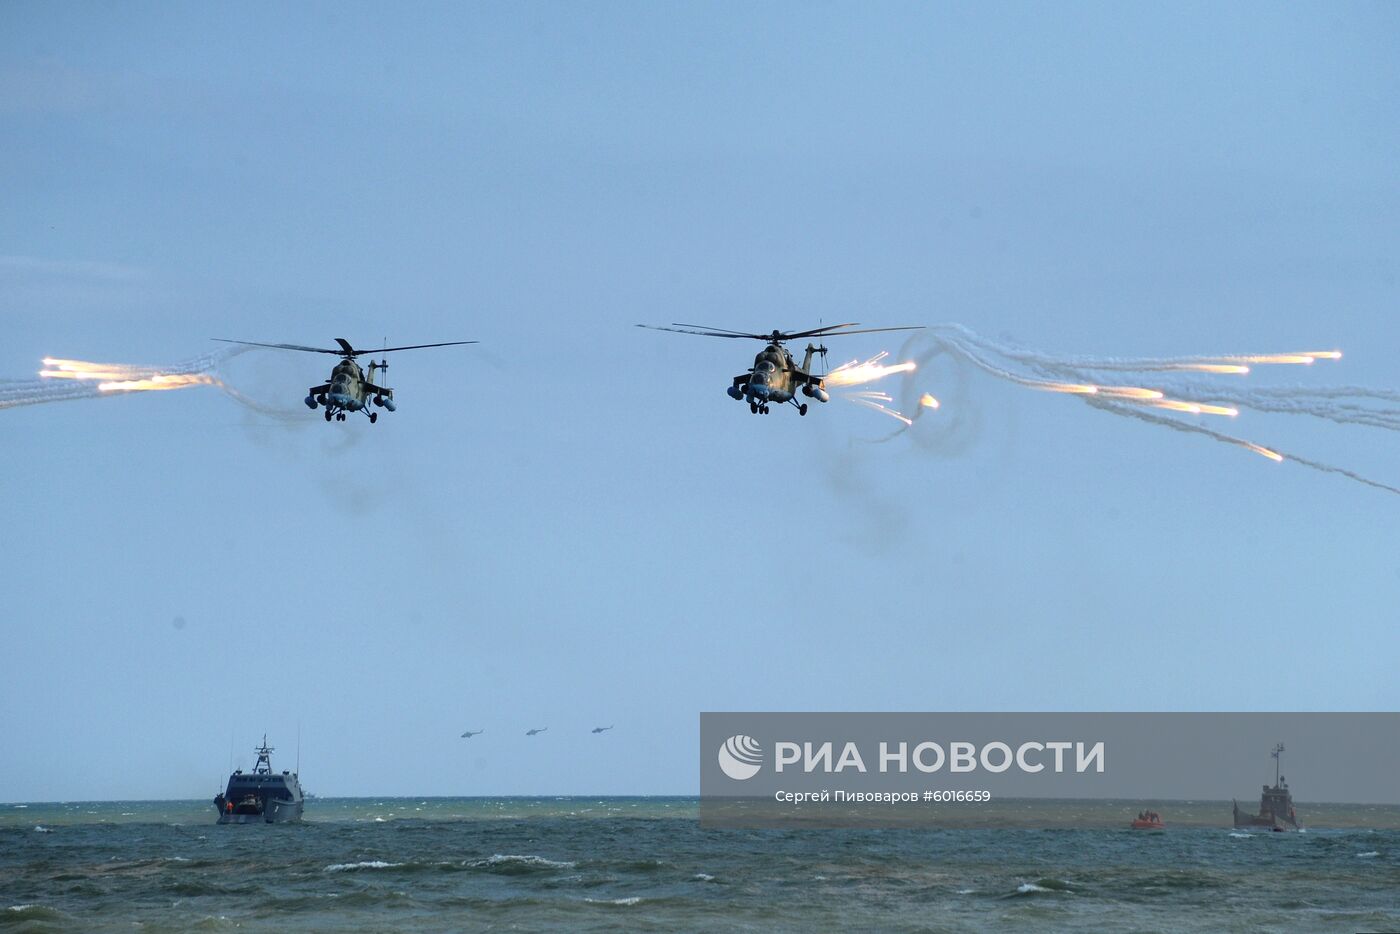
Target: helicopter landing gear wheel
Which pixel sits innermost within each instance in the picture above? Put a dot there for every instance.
(340, 417)
(802, 409)
(328, 414)
(753, 408)
(373, 417)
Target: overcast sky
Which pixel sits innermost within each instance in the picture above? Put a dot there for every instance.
(569, 524)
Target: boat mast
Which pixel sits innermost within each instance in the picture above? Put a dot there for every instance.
(1278, 761)
(264, 766)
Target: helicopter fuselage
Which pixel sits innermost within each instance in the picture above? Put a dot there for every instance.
(775, 378)
(349, 390)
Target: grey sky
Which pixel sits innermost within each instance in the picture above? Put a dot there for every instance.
(570, 524)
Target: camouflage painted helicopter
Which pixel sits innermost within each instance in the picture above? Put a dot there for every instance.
(775, 377)
(349, 389)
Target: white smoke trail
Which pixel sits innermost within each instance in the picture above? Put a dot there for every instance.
(1171, 389)
(63, 380)
(1120, 409)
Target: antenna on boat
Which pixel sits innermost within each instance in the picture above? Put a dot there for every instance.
(1278, 761)
(264, 766)
(298, 748)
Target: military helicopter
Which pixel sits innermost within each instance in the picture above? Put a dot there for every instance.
(349, 388)
(775, 377)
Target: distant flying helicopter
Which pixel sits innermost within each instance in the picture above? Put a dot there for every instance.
(470, 733)
(349, 388)
(540, 729)
(600, 729)
(775, 377)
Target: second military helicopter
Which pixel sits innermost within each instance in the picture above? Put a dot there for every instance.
(775, 377)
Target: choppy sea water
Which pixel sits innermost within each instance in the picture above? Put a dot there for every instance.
(406, 864)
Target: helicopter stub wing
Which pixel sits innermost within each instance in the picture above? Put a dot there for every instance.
(378, 390)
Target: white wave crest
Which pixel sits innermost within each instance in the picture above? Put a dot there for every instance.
(614, 901)
(367, 864)
(502, 859)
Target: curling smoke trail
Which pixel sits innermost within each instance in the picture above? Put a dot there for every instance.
(1173, 389)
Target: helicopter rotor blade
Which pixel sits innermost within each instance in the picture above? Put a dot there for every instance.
(686, 330)
(830, 330)
(414, 347)
(794, 335)
(281, 346)
(706, 327)
(824, 332)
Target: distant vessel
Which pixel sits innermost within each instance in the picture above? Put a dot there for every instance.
(1275, 804)
(260, 796)
(1149, 820)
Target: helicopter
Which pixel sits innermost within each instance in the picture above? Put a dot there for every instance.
(349, 389)
(775, 377)
(470, 733)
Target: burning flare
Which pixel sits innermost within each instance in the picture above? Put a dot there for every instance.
(1260, 449)
(857, 373)
(860, 373)
(124, 377)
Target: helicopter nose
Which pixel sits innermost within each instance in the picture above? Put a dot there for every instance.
(758, 390)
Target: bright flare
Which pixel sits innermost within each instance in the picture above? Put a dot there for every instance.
(1298, 358)
(55, 368)
(928, 401)
(123, 377)
(158, 382)
(1177, 406)
(1260, 449)
(1195, 408)
(1083, 389)
(857, 373)
(1235, 368)
(1130, 392)
(880, 408)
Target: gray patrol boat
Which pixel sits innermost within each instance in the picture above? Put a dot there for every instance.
(1275, 804)
(262, 795)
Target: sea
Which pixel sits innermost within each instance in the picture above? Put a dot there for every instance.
(647, 864)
